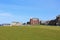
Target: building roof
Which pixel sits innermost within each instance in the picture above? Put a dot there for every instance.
(35, 18)
(15, 22)
(58, 16)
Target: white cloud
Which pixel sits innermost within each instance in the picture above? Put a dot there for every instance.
(6, 14)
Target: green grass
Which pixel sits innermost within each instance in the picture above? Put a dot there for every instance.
(30, 33)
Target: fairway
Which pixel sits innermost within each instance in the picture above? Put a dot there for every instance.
(30, 33)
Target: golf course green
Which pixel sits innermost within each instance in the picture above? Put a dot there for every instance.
(37, 32)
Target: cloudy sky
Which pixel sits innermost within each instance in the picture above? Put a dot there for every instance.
(23, 10)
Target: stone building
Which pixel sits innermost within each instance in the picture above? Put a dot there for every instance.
(44, 22)
(52, 22)
(5, 24)
(16, 23)
(58, 20)
(34, 21)
(55, 21)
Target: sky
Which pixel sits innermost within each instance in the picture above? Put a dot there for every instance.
(23, 10)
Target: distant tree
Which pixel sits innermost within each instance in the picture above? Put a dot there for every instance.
(28, 22)
(40, 22)
(24, 23)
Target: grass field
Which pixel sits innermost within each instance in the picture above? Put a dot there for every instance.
(30, 33)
